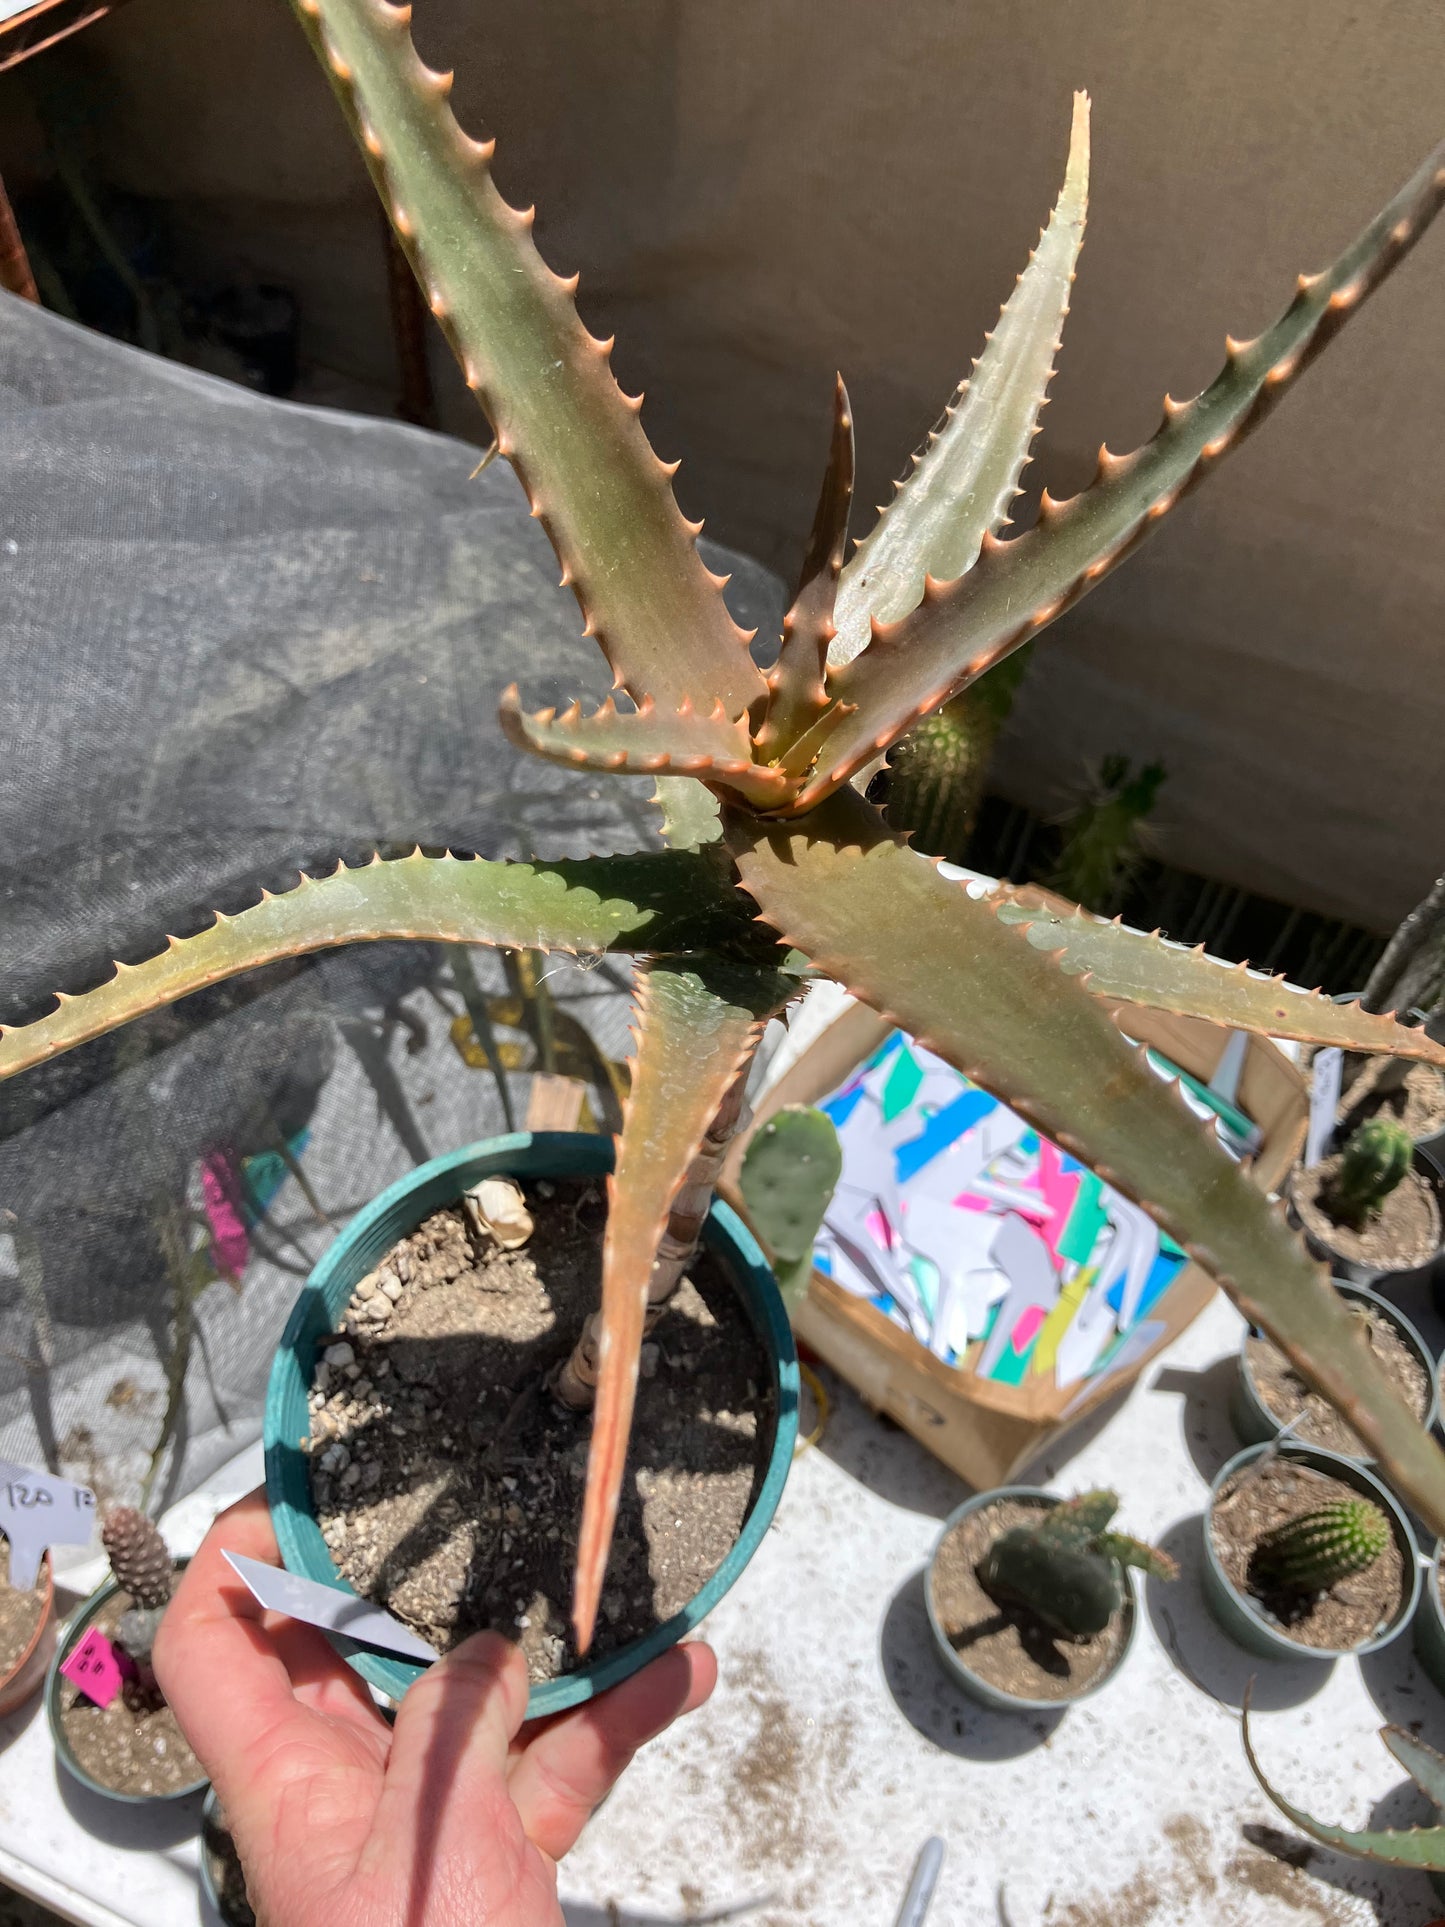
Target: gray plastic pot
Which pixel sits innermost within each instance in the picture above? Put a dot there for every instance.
(1256, 1424)
(958, 1670)
(70, 1637)
(1352, 1270)
(211, 1818)
(1244, 1619)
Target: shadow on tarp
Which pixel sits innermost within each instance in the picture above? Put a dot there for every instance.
(932, 1704)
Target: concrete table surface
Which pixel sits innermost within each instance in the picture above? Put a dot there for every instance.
(834, 1746)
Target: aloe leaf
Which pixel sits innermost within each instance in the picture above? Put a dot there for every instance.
(1134, 968)
(796, 682)
(1422, 1847)
(672, 900)
(1016, 588)
(691, 814)
(573, 437)
(678, 738)
(1424, 1765)
(965, 477)
(880, 919)
(699, 1021)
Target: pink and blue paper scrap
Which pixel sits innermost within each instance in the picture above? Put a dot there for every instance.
(984, 1240)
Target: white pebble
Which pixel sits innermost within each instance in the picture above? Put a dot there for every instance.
(367, 1287)
(338, 1355)
(335, 1458)
(390, 1286)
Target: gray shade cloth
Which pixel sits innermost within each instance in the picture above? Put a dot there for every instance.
(242, 638)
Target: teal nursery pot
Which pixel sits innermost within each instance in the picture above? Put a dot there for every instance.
(1256, 1424)
(361, 1247)
(1244, 1619)
(953, 1662)
(71, 1634)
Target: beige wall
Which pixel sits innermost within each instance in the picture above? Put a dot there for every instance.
(761, 191)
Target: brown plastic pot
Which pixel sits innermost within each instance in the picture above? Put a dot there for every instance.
(27, 1675)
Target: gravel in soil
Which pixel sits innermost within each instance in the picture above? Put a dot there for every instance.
(1406, 1233)
(1418, 1101)
(20, 1615)
(1006, 1645)
(1266, 1494)
(223, 1864)
(1287, 1396)
(135, 1744)
(447, 1481)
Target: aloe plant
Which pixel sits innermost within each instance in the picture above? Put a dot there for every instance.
(777, 864)
(1421, 1847)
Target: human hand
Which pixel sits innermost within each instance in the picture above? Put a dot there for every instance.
(456, 1816)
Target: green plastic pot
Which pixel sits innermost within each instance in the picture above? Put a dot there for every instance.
(360, 1248)
(952, 1662)
(1254, 1422)
(70, 1636)
(1244, 1619)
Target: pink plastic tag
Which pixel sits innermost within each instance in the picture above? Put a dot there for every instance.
(97, 1667)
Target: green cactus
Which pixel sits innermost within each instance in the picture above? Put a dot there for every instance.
(1371, 1165)
(1102, 845)
(787, 1177)
(1310, 1554)
(1067, 1570)
(936, 773)
(777, 866)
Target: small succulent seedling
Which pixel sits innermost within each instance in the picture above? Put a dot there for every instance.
(792, 1164)
(144, 1568)
(1371, 1165)
(778, 867)
(1068, 1570)
(1308, 1555)
(1421, 1847)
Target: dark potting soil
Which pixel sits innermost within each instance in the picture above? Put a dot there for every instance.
(1282, 1389)
(1006, 1645)
(20, 1614)
(1265, 1495)
(134, 1745)
(1418, 1101)
(1406, 1233)
(223, 1864)
(448, 1482)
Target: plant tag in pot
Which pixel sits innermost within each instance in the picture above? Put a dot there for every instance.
(328, 1607)
(98, 1668)
(37, 1511)
(1324, 1099)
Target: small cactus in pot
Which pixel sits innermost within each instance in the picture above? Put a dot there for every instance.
(1067, 1570)
(1371, 1165)
(1308, 1555)
(144, 1568)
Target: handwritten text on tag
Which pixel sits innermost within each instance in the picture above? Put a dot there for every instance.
(97, 1667)
(1324, 1099)
(38, 1510)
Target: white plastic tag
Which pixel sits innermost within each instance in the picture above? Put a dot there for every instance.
(325, 1606)
(1324, 1100)
(37, 1511)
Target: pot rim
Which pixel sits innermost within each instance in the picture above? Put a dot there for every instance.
(366, 1239)
(47, 1614)
(965, 1675)
(1348, 1471)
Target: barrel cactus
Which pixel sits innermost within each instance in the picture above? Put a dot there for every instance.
(1067, 1570)
(1310, 1554)
(1372, 1163)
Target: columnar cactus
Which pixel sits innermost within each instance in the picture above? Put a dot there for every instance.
(143, 1567)
(1310, 1554)
(777, 865)
(1371, 1165)
(936, 773)
(1068, 1570)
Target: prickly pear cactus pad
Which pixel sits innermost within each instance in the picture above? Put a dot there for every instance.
(787, 1177)
(1269, 1498)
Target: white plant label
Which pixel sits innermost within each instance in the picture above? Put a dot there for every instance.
(1324, 1099)
(329, 1608)
(37, 1511)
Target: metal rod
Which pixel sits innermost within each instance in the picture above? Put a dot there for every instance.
(926, 1869)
